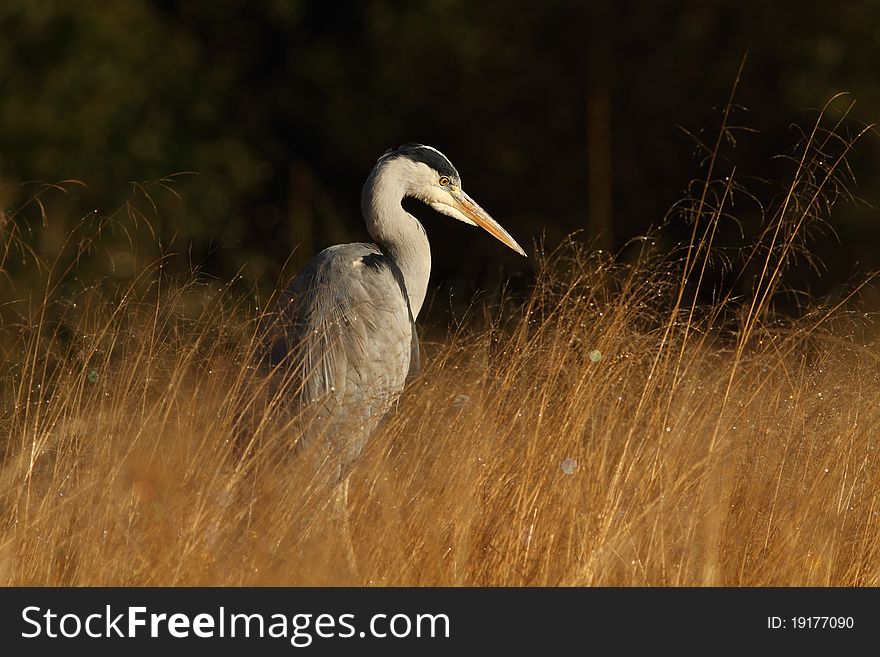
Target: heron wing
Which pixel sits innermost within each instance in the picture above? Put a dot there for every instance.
(345, 331)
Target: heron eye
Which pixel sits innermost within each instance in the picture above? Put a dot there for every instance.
(444, 181)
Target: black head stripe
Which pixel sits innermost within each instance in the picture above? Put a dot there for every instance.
(419, 153)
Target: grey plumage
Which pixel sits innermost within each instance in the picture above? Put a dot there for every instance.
(345, 326)
(343, 334)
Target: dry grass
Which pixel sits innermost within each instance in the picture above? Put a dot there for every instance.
(606, 430)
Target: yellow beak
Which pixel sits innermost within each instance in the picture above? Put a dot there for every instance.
(469, 208)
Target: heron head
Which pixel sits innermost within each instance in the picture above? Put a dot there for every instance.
(432, 179)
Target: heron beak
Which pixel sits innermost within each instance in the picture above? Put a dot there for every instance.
(469, 208)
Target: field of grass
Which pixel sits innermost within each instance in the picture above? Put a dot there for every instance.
(608, 428)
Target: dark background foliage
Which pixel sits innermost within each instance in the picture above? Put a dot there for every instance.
(560, 116)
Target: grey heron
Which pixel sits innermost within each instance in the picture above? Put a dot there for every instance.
(345, 326)
(343, 333)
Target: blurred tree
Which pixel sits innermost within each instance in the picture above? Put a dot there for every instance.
(561, 115)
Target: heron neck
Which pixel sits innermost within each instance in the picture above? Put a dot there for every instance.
(399, 235)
